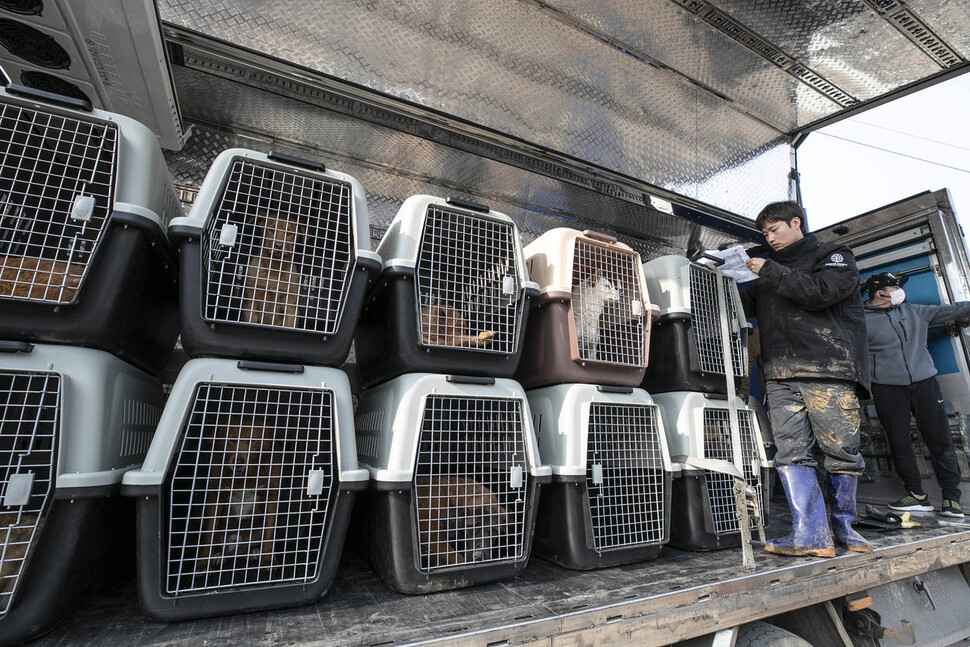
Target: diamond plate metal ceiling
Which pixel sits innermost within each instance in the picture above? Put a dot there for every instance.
(696, 97)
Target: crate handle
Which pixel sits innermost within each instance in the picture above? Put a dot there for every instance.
(15, 347)
(468, 204)
(595, 235)
(250, 365)
(50, 97)
(296, 161)
(470, 379)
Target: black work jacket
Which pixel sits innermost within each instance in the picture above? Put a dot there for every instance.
(810, 316)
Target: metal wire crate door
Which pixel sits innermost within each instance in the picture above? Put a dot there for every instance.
(717, 444)
(57, 177)
(471, 485)
(278, 250)
(251, 488)
(468, 290)
(607, 305)
(625, 476)
(707, 323)
(29, 424)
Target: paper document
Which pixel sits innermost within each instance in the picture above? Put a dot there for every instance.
(734, 259)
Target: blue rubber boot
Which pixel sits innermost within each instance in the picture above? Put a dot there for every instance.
(810, 525)
(842, 488)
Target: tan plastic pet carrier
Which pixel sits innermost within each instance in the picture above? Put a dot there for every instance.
(591, 322)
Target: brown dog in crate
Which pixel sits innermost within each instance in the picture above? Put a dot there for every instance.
(445, 326)
(40, 279)
(459, 521)
(272, 280)
(16, 533)
(242, 491)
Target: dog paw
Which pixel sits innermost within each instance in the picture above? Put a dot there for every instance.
(485, 336)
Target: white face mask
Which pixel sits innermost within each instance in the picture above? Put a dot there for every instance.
(897, 296)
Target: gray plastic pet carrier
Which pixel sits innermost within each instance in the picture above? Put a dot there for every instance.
(246, 492)
(454, 482)
(85, 199)
(275, 260)
(591, 322)
(453, 296)
(72, 422)
(687, 352)
(699, 425)
(609, 500)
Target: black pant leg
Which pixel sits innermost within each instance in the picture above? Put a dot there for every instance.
(933, 427)
(893, 408)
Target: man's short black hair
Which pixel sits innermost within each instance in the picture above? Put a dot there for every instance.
(877, 282)
(781, 211)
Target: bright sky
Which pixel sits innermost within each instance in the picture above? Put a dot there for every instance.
(909, 145)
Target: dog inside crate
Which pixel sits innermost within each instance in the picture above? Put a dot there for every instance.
(279, 250)
(718, 444)
(470, 484)
(467, 283)
(240, 509)
(607, 305)
(56, 182)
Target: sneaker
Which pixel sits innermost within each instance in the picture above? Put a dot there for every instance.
(951, 508)
(912, 502)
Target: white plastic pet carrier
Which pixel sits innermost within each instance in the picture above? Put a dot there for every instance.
(609, 501)
(591, 322)
(246, 492)
(699, 425)
(85, 198)
(454, 480)
(72, 422)
(453, 295)
(687, 352)
(275, 260)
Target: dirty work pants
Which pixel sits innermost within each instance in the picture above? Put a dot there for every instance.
(806, 413)
(924, 401)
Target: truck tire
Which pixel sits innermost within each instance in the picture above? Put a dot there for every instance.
(762, 634)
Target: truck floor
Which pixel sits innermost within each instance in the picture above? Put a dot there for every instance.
(678, 595)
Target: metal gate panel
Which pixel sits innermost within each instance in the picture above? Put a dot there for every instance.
(249, 494)
(57, 178)
(278, 250)
(471, 482)
(29, 424)
(608, 304)
(717, 444)
(625, 475)
(707, 322)
(467, 282)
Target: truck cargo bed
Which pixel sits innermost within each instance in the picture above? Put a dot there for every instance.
(676, 596)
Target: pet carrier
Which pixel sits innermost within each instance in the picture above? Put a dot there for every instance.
(591, 322)
(72, 421)
(85, 197)
(699, 425)
(275, 260)
(246, 491)
(454, 480)
(687, 352)
(453, 295)
(609, 501)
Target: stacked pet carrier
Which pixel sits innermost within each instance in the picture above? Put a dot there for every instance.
(85, 197)
(88, 296)
(700, 339)
(586, 350)
(446, 435)
(244, 499)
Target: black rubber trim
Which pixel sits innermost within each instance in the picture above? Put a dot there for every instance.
(278, 367)
(16, 347)
(178, 233)
(50, 97)
(607, 388)
(470, 379)
(390, 486)
(138, 491)
(468, 204)
(715, 396)
(354, 486)
(296, 161)
(94, 492)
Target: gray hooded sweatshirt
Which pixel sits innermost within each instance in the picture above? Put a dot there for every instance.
(898, 350)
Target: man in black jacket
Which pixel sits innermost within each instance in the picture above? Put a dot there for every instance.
(813, 350)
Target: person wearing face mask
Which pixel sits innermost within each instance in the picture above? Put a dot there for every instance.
(904, 385)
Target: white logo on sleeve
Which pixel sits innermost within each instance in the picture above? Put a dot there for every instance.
(836, 260)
